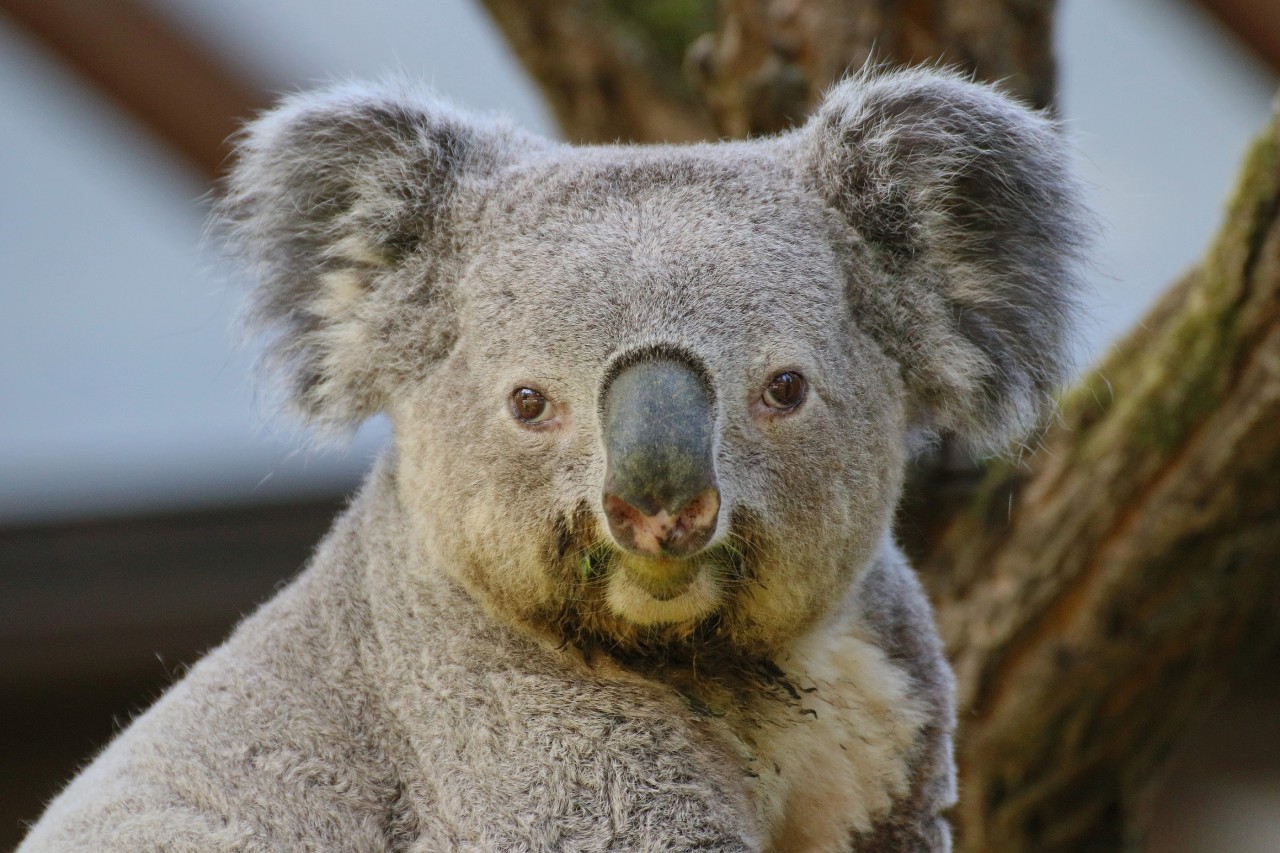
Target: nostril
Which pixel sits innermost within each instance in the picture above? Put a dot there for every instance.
(663, 533)
(699, 516)
(621, 513)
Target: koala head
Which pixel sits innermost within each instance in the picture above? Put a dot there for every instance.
(659, 396)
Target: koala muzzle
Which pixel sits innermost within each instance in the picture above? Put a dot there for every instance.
(660, 491)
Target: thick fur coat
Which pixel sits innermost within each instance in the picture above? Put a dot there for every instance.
(476, 657)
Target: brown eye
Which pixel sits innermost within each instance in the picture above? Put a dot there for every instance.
(784, 391)
(530, 406)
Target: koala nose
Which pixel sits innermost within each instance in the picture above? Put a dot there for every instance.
(665, 533)
(660, 496)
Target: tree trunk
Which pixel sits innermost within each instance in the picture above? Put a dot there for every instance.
(1097, 595)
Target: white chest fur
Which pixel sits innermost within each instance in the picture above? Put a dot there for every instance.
(827, 754)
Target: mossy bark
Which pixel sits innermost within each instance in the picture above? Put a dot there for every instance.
(1098, 595)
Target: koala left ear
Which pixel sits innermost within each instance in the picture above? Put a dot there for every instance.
(342, 205)
(965, 205)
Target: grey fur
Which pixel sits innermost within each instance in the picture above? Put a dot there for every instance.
(467, 662)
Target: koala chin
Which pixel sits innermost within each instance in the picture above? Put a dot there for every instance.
(625, 579)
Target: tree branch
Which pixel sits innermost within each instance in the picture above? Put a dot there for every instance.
(770, 60)
(185, 95)
(610, 68)
(606, 67)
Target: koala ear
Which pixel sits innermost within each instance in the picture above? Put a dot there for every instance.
(965, 204)
(341, 204)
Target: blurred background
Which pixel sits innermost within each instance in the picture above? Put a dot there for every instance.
(149, 496)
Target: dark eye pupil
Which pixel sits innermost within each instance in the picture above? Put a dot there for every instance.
(785, 390)
(528, 404)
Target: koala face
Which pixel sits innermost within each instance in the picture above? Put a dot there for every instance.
(720, 273)
(648, 397)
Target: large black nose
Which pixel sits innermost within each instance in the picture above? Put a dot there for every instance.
(660, 491)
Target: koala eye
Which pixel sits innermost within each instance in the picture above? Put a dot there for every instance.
(531, 406)
(785, 391)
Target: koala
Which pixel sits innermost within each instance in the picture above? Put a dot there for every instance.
(625, 578)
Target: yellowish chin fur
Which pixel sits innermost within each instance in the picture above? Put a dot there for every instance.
(630, 599)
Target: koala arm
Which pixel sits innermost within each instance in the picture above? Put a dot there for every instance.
(255, 749)
(893, 606)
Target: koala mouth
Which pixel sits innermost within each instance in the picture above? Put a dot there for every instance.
(661, 578)
(631, 597)
(662, 591)
(618, 592)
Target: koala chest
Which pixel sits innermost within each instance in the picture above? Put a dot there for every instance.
(828, 752)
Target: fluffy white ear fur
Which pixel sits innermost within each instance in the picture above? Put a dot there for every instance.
(964, 201)
(333, 198)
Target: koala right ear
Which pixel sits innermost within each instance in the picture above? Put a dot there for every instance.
(966, 203)
(341, 205)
